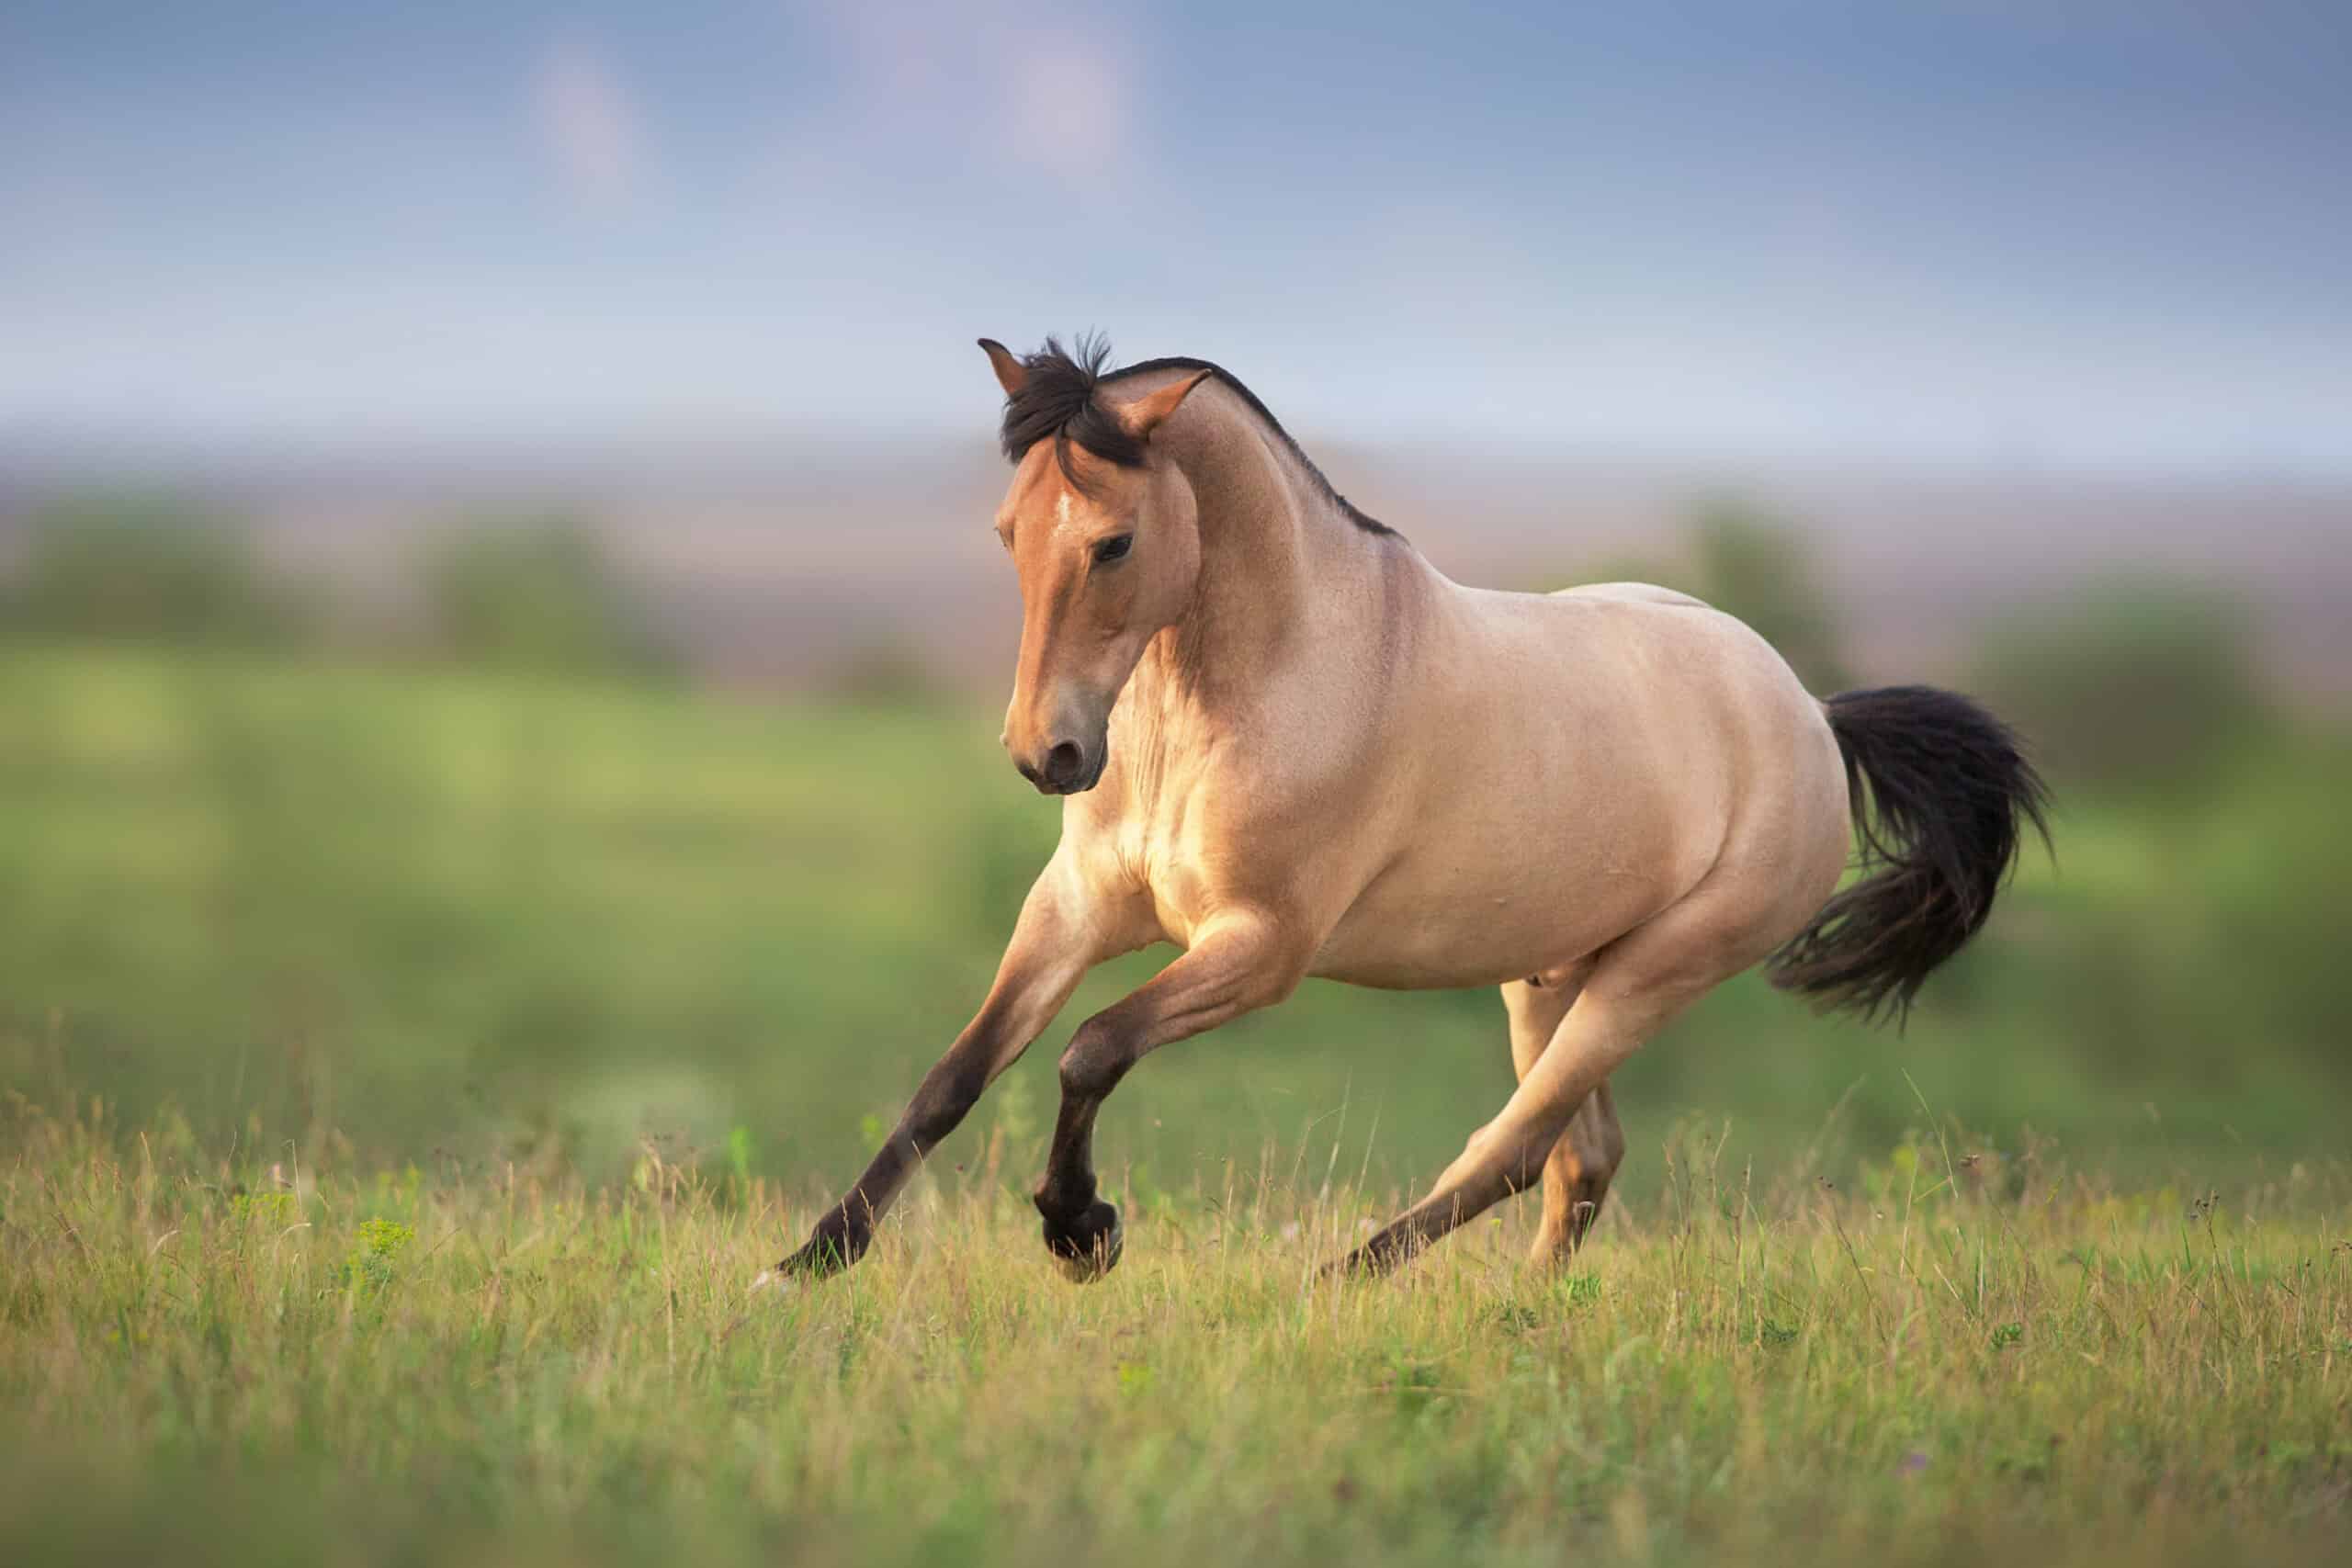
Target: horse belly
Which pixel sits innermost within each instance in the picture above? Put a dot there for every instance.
(1425, 926)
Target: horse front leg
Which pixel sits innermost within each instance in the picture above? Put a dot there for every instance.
(1052, 947)
(1237, 966)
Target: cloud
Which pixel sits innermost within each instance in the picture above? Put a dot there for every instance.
(1065, 108)
(588, 125)
(985, 77)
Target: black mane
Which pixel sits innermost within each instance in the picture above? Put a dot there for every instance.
(1058, 401)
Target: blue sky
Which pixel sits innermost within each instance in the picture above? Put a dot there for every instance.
(2072, 232)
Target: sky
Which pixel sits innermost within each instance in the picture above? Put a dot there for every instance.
(2069, 232)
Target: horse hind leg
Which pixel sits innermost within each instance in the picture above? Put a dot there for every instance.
(1577, 1176)
(1580, 1166)
(1637, 983)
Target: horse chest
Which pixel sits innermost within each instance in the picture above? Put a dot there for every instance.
(1149, 865)
(1176, 880)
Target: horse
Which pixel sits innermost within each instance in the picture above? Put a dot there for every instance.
(1288, 746)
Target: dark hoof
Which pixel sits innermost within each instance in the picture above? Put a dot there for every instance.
(1383, 1254)
(829, 1250)
(1088, 1247)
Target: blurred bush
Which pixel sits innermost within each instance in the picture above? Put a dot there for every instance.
(1754, 566)
(2143, 683)
(147, 569)
(541, 594)
(1751, 564)
(885, 672)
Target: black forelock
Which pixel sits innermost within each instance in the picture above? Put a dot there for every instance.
(1057, 399)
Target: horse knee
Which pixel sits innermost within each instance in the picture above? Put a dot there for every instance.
(1097, 1059)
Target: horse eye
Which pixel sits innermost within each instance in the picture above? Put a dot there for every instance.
(1114, 548)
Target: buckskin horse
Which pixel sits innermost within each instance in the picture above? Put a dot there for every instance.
(1289, 746)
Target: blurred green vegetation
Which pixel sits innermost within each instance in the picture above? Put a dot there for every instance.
(524, 904)
(2138, 683)
(536, 594)
(147, 568)
(494, 916)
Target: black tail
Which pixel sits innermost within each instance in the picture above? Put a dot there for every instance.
(1951, 793)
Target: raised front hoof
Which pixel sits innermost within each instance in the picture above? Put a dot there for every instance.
(1088, 1247)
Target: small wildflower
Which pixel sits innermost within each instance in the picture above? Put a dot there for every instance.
(380, 1241)
(384, 1238)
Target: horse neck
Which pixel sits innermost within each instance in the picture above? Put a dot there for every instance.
(1275, 550)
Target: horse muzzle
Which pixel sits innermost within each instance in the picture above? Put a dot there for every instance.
(1067, 767)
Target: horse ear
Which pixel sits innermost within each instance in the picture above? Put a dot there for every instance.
(1010, 373)
(1143, 416)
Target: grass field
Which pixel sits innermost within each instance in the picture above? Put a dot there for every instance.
(203, 1361)
(406, 1072)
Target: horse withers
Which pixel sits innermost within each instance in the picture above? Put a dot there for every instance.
(1289, 746)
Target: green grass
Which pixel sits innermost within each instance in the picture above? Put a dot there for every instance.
(205, 1360)
(430, 1060)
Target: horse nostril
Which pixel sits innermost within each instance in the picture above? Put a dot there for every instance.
(1063, 762)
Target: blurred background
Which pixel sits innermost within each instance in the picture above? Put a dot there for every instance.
(500, 640)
